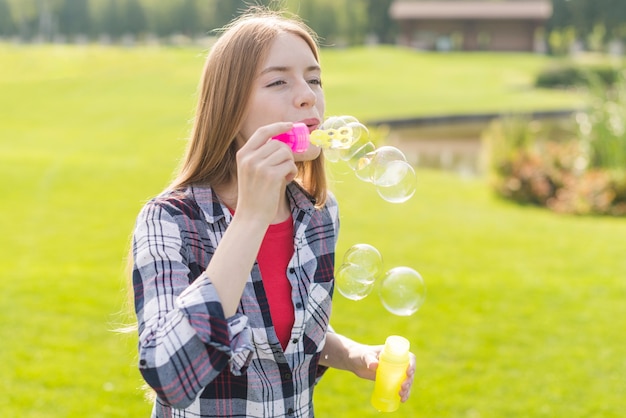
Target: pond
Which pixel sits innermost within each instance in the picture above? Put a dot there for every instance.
(450, 142)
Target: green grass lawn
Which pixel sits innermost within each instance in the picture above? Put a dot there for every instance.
(386, 82)
(525, 313)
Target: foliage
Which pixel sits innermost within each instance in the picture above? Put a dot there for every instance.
(337, 22)
(602, 127)
(575, 75)
(585, 173)
(552, 174)
(584, 17)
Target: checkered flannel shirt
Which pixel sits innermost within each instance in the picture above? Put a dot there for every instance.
(200, 363)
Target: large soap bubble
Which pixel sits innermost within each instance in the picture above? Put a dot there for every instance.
(392, 175)
(353, 281)
(355, 278)
(366, 256)
(397, 183)
(381, 159)
(402, 291)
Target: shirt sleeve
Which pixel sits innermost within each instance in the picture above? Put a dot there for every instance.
(333, 210)
(185, 341)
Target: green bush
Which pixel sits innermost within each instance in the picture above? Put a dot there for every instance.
(530, 166)
(563, 76)
(582, 168)
(602, 127)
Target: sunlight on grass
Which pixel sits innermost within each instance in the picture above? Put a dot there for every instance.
(386, 82)
(525, 309)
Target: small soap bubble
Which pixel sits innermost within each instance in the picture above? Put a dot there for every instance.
(367, 257)
(398, 182)
(358, 130)
(353, 281)
(360, 161)
(345, 138)
(402, 291)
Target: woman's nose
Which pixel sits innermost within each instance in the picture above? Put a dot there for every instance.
(305, 97)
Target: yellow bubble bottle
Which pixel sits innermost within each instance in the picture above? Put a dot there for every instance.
(392, 365)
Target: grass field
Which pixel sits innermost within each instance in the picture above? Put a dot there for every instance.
(525, 313)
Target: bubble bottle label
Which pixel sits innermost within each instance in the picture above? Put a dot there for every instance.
(391, 372)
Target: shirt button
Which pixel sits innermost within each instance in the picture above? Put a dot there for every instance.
(299, 305)
(287, 376)
(295, 341)
(142, 362)
(292, 270)
(290, 411)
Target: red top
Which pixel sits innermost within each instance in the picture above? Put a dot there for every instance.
(274, 255)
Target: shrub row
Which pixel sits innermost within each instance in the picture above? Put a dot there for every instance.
(565, 76)
(554, 175)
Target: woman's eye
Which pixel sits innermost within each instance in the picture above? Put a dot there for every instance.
(276, 83)
(316, 81)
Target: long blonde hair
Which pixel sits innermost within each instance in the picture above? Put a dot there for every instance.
(224, 91)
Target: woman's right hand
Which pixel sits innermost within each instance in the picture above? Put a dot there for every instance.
(264, 167)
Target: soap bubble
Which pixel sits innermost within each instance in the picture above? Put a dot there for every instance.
(381, 158)
(393, 177)
(353, 281)
(367, 257)
(345, 138)
(360, 161)
(397, 183)
(402, 291)
(355, 278)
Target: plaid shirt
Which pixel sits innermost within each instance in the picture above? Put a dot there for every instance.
(202, 364)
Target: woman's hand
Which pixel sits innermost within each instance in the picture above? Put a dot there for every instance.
(365, 360)
(343, 353)
(264, 168)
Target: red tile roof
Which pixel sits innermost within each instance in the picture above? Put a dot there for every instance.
(435, 10)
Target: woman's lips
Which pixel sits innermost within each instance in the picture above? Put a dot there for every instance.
(312, 124)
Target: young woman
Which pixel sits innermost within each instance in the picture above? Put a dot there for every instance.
(233, 263)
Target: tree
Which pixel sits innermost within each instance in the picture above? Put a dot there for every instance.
(111, 20)
(136, 21)
(7, 26)
(379, 22)
(74, 17)
(226, 10)
(189, 18)
(322, 19)
(613, 15)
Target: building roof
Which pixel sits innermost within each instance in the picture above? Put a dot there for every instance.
(439, 10)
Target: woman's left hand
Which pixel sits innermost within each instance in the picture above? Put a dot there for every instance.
(365, 358)
(343, 353)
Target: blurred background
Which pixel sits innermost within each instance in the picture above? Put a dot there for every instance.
(559, 26)
(512, 114)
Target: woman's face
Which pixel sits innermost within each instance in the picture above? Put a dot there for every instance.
(288, 88)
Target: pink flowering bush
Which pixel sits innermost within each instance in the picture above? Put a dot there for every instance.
(531, 163)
